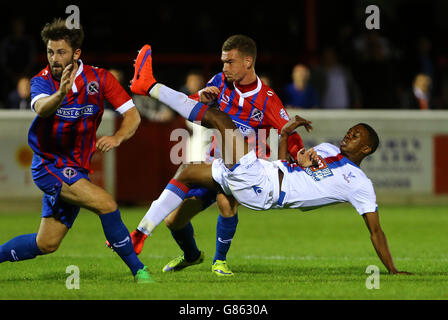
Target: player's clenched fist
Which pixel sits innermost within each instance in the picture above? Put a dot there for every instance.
(307, 158)
(107, 143)
(208, 94)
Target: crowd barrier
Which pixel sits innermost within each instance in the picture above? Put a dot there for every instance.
(410, 163)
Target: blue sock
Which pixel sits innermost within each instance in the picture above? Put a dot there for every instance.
(22, 247)
(118, 236)
(185, 239)
(225, 230)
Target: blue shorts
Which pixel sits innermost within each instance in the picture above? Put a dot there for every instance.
(207, 196)
(49, 179)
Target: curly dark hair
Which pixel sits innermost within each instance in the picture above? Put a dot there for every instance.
(57, 30)
(374, 140)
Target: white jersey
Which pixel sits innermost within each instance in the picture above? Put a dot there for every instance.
(337, 179)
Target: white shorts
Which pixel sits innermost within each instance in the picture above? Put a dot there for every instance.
(253, 182)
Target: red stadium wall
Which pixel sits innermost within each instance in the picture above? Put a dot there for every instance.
(440, 164)
(143, 166)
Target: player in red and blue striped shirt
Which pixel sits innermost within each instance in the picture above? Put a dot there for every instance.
(68, 97)
(68, 138)
(253, 107)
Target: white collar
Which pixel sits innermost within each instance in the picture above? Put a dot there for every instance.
(249, 93)
(80, 68)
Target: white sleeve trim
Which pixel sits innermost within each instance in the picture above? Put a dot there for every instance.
(42, 95)
(126, 106)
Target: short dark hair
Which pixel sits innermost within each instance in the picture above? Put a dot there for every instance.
(243, 44)
(374, 140)
(57, 30)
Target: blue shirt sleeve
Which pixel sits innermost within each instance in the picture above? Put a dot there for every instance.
(40, 86)
(215, 81)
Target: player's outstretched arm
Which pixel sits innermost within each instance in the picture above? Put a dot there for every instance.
(46, 106)
(287, 130)
(208, 94)
(130, 123)
(379, 242)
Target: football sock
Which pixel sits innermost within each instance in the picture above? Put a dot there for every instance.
(173, 195)
(185, 239)
(22, 247)
(190, 109)
(118, 236)
(225, 230)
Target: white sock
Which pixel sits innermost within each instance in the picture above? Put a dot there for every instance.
(188, 108)
(168, 201)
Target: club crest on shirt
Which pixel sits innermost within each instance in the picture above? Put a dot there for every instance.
(256, 115)
(93, 87)
(348, 177)
(69, 172)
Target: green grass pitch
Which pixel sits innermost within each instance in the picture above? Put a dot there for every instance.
(276, 255)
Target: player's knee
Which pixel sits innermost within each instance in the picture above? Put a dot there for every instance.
(186, 174)
(169, 222)
(108, 206)
(48, 246)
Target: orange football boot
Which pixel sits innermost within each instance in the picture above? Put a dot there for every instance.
(143, 78)
(138, 239)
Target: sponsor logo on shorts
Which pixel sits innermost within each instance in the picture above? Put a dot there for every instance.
(69, 172)
(257, 190)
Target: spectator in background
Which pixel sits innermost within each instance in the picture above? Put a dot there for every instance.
(17, 53)
(119, 75)
(153, 109)
(300, 93)
(376, 73)
(20, 98)
(419, 96)
(194, 82)
(335, 83)
(266, 80)
(148, 107)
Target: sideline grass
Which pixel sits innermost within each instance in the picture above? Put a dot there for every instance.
(276, 255)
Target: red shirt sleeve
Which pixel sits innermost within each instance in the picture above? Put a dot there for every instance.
(277, 116)
(115, 94)
(194, 96)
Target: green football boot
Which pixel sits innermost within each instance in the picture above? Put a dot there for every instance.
(221, 269)
(180, 263)
(143, 276)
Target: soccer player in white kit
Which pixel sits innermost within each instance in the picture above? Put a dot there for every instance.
(324, 175)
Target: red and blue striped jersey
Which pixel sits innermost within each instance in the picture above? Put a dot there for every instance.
(253, 107)
(68, 137)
